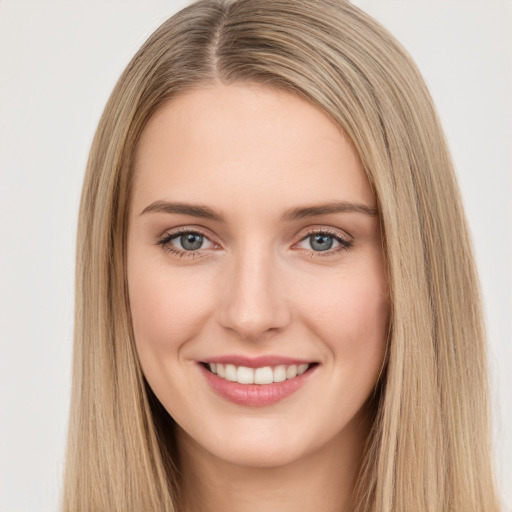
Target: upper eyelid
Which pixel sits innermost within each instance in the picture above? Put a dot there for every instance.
(331, 231)
(173, 232)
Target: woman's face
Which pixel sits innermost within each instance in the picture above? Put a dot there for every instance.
(254, 252)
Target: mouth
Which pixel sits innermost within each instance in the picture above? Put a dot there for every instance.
(256, 384)
(263, 375)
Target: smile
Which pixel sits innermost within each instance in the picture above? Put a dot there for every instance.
(256, 383)
(261, 376)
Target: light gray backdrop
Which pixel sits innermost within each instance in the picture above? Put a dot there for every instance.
(58, 63)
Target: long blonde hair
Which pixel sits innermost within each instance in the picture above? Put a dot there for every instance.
(429, 448)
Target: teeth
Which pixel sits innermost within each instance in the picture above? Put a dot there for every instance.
(301, 369)
(245, 375)
(291, 372)
(264, 375)
(279, 373)
(221, 370)
(231, 372)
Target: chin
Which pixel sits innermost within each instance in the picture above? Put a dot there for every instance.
(259, 455)
(258, 446)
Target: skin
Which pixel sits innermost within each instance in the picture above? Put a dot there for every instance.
(257, 286)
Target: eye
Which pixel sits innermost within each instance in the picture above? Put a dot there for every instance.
(185, 243)
(190, 241)
(324, 242)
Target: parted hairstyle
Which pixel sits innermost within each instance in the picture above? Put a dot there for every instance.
(429, 449)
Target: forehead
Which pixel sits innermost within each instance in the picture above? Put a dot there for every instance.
(245, 143)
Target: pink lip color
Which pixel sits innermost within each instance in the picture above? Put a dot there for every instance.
(255, 395)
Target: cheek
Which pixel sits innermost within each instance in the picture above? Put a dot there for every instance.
(351, 316)
(167, 307)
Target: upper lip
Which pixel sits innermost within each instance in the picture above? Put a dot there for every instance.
(256, 362)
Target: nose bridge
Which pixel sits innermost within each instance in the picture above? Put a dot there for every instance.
(254, 297)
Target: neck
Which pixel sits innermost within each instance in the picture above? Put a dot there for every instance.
(323, 480)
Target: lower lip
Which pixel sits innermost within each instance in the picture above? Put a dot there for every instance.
(256, 395)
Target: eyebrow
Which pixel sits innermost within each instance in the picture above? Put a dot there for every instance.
(300, 212)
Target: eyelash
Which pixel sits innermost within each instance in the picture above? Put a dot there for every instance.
(165, 243)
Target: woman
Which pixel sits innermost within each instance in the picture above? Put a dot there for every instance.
(277, 304)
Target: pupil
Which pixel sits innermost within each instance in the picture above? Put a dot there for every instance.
(191, 242)
(321, 242)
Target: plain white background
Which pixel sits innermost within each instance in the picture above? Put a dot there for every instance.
(58, 63)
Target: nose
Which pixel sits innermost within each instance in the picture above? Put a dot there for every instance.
(253, 301)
